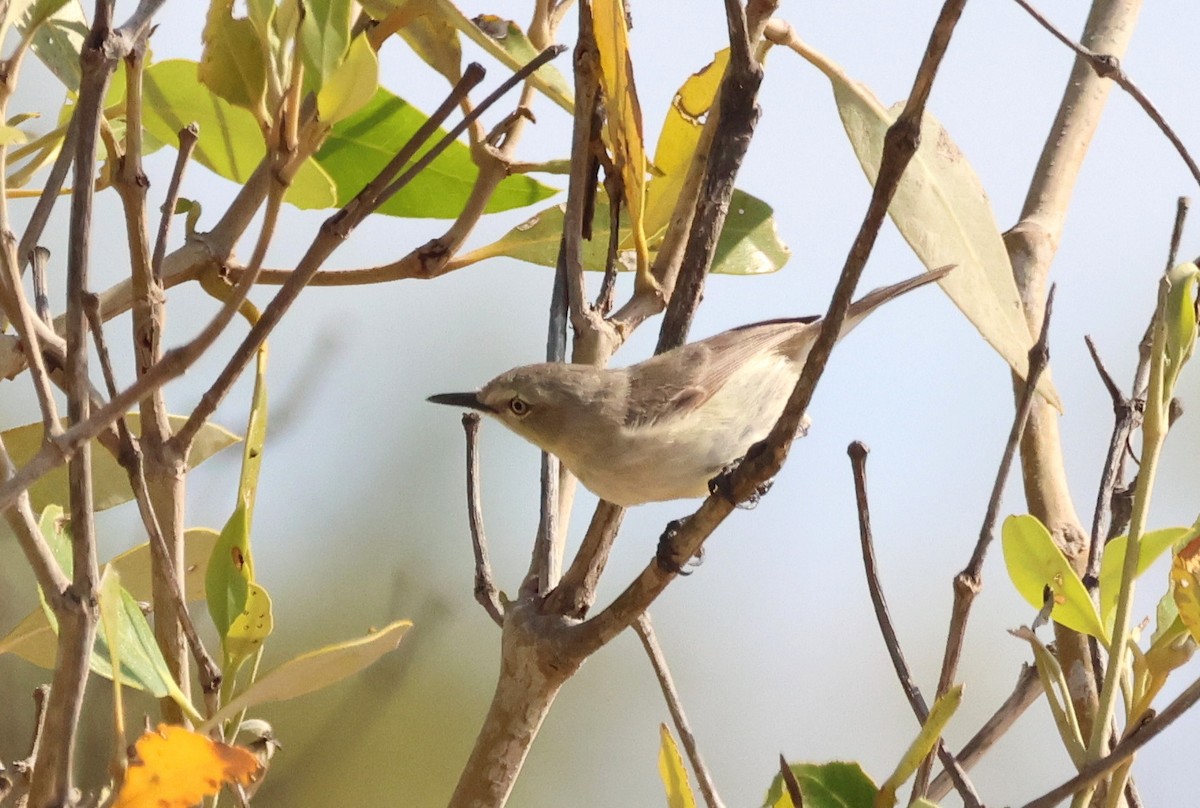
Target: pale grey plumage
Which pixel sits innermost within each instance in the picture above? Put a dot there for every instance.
(661, 429)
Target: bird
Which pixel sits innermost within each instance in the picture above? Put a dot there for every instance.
(663, 428)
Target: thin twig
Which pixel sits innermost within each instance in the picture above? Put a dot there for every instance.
(189, 136)
(790, 784)
(1182, 205)
(50, 190)
(739, 118)
(130, 458)
(1025, 693)
(1108, 66)
(645, 631)
(969, 582)
(21, 520)
(26, 321)
(858, 463)
(39, 257)
(1124, 419)
(77, 611)
(485, 584)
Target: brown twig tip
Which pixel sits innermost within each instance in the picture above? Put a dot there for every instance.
(1114, 391)
(790, 783)
(858, 451)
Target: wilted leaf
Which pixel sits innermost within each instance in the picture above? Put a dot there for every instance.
(314, 670)
(1034, 563)
(175, 768)
(1185, 585)
(678, 139)
(623, 123)
(420, 24)
(943, 213)
(673, 773)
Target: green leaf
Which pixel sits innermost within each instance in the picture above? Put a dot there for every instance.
(673, 773)
(1035, 563)
(33, 639)
(361, 145)
(59, 37)
(230, 572)
(749, 243)
(230, 142)
(324, 38)
(232, 61)
(1180, 315)
(351, 85)
(313, 671)
(943, 213)
(1154, 544)
(137, 654)
(111, 484)
(837, 784)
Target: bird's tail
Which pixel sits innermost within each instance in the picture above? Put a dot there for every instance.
(877, 297)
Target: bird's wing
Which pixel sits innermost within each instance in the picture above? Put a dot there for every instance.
(678, 382)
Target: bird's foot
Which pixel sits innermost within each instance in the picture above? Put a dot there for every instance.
(665, 556)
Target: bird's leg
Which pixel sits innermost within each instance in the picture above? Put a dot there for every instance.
(666, 553)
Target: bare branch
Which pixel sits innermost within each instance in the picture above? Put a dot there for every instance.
(969, 582)
(1108, 66)
(188, 137)
(485, 584)
(645, 631)
(858, 462)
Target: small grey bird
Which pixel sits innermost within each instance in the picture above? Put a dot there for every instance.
(663, 428)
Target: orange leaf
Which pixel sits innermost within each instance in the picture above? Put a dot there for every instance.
(175, 768)
(1185, 584)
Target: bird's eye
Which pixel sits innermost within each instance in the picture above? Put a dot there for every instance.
(518, 406)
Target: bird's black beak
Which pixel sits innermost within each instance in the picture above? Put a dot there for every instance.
(469, 400)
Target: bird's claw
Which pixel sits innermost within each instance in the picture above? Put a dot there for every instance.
(722, 486)
(664, 556)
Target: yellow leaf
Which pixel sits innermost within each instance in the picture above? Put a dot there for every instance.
(175, 768)
(624, 123)
(249, 629)
(678, 140)
(351, 85)
(674, 775)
